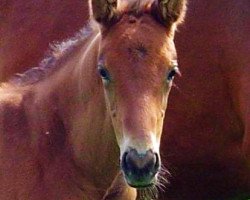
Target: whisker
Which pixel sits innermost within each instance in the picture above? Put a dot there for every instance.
(154, 191)
(162, 178)
(163, 186)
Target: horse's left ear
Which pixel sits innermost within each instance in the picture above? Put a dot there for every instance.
(169, 12)
(103, 11)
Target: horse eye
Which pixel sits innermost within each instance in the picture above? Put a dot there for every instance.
(172, 73)
(103, 73)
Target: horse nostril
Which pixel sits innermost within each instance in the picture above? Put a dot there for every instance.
(124, 161)
(157, 162)
(140, 164)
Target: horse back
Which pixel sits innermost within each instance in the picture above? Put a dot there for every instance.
(16, 156)
(12, 114)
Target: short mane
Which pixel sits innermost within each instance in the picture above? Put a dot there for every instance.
(49, 64)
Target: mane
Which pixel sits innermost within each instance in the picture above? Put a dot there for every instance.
(49, 64)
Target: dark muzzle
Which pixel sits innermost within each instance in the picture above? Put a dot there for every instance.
(140, 169)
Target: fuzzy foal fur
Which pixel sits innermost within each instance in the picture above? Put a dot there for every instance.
(58, 139)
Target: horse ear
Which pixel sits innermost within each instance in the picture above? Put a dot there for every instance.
(169, 12)
(103, 11)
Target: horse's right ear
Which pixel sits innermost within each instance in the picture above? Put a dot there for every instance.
(103, 11)
(169, 12)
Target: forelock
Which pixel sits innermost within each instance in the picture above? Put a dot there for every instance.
(134, 5)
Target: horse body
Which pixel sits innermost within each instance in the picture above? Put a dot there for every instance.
(48, 171)
(207, 120)
(37, 157)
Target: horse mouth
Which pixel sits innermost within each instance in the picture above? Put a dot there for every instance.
(141, 186)
(140, 183)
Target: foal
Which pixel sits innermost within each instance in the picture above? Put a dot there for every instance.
(100, 98)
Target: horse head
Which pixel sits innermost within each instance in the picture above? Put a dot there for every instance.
(137, 63)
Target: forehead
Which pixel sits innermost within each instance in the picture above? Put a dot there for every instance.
(139, 39)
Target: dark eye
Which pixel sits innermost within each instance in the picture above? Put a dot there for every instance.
(104, 73)
(172, 73)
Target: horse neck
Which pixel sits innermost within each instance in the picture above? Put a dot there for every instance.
(76, 93)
